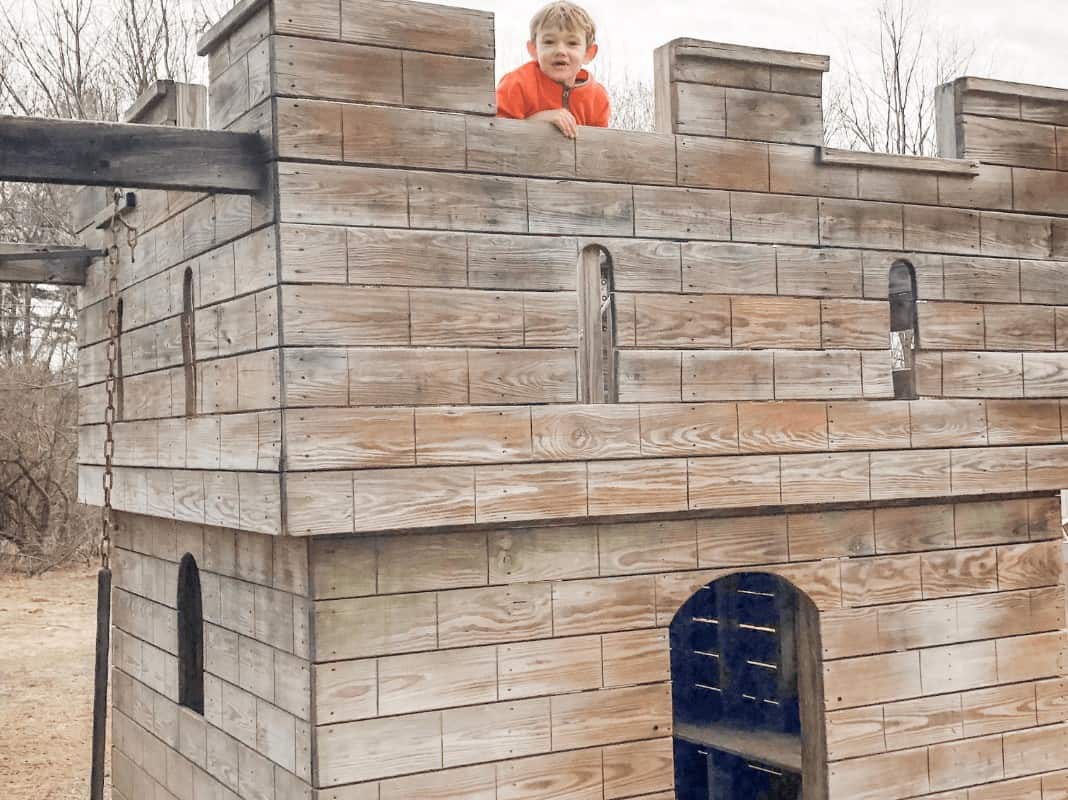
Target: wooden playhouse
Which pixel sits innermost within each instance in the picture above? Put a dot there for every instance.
(468, 461)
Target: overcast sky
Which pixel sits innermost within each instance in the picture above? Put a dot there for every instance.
(1018, 40)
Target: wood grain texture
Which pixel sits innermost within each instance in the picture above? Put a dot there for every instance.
(722, 164)
(418, 26)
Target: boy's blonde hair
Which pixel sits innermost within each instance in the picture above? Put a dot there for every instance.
(565, 16)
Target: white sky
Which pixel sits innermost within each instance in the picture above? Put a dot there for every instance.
(1018, 40)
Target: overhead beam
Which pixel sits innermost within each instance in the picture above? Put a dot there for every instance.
(76, 152)
(40, 263)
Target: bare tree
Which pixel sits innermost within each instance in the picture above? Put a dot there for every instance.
(883, 101)
(84, 59)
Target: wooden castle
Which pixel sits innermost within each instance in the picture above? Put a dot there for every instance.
(465, 461)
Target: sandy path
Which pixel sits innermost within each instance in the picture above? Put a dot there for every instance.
(47, 627)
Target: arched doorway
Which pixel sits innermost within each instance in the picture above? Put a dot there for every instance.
(747, 692)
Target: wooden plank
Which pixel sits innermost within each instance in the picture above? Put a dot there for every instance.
(568, 207)
(39, 263)
(443, 679)
(349, 438)
(408, 377)
(495, 615)
(1045, 374)
(734, 481)
(546, 491)
(723, 164)
(825, 478)
(495, 731)
(400, 258)
(1043, 282)
(830, 534)
(710, 375)
(575, 775)
(1009, 142)
(956, 764)
(855, 732)
(1040, 191)
(781, 426)
(534, 554)
(326, 194)
(611, 716)
(951, 326)
(728, 268)
(945, 230)
(744, 540)
(522, 376)
(457, 317)
(770, 322)
(544, 263)
(948, 423)
(802, 375)
(518, 147)
(418, 26)
(400, 137)
(477, 783)
(903, 773)
(681, 213)
(339, 316)
(858, 324)
(776, 219)
(697, 109)
(125, 154)
(637, 487)
(562, 433)
(1030, 566)
(317, 69)
(871, 679)
(384, 499)
(959, 572)
(448, 83)
(982, 279)
(650, 376)
(890, 579)
(819, 272)
(371, 626)
(910, 475)
(552, 666)
(852, 223)
(865, 425)
(638, 768)
(1015, 235)
(856, 158)
(1023, 421)
(773, 117)
(1000, 709)
(982, 375)
(673, 320)
(625, 156)
(467, 202)
(603, 605)
(472, 435)
(797, 170)
(702, 50)
(674, 430)
(346, 691)
(360, 751)
(924, 721)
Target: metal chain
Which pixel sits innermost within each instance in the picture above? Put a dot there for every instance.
(110, 383)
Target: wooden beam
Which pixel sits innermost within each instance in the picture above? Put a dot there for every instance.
(856, 158)
(45, 263)
(38, 150)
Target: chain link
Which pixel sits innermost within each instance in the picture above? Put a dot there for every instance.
(108, 524)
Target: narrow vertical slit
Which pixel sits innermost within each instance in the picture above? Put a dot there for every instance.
(598, 354)
(189, 344)
(904, 329)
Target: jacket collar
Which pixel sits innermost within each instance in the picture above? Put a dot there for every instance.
(583, 79)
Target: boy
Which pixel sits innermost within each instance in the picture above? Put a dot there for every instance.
(553, 86)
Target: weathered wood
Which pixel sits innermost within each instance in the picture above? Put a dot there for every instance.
(120, 154)
(855, 158)
(41, 263)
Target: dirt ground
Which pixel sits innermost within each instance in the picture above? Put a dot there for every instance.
(47, 629)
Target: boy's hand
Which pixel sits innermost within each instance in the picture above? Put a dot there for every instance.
(561, 118)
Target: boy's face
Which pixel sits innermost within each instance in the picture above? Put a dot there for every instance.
(561, 54)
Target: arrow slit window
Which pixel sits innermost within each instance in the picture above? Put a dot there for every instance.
(904, 329)
(747, 693)
(190, 636)
(189, 345)
(598, 369)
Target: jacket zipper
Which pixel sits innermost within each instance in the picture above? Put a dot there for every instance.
(567, 97)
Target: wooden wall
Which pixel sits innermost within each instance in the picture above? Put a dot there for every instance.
(530, 664)
(254, 739)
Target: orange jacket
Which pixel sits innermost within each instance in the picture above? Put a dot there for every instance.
(528, 90)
